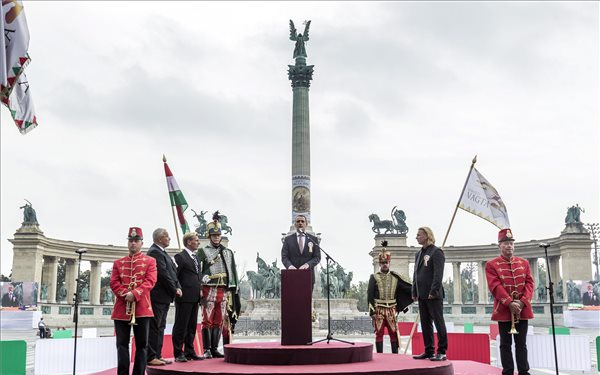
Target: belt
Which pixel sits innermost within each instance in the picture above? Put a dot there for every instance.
(385, 302)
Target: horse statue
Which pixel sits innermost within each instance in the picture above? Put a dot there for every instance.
(381, 224)
(226, 228)
(257, 283)
(400, 221)
(333, 282)
(201, 226)
(345, 284)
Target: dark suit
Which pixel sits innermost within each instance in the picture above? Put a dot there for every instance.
(427, 280)
(8, 301)
(291, 255)
(186, 306)
(161, 296)
(590, 301)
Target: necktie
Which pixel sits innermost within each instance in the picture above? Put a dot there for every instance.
(301, 242)
(195, 262)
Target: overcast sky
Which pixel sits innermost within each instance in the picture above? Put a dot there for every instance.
(403, 96)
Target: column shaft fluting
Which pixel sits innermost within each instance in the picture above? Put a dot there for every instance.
(52, 278)
(95, 278)
(70, 279)
(457, 287)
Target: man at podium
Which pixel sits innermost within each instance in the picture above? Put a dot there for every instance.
(301, 250)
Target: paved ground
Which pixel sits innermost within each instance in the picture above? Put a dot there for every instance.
(31, 338)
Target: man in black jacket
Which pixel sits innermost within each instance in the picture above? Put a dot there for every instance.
(186, 306)
(427, 289)
(166, 288)
(300, 249)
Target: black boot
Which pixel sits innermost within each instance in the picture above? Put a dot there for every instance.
(379, 347)
(394, 347)
(215, 337)
(206, 343)
(225, 340)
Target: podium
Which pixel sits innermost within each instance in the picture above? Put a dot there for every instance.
(296, 306)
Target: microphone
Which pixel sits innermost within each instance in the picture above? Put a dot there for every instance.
(544, 245)
(81, 251)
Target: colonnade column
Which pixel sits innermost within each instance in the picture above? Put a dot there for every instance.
(95, 276)
(70, 276)
(535, 275)
(555, 272)
(482, 283)
(50, 274)
(456, 283)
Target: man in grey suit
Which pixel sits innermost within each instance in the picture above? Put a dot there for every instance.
(166, 288)
(300, 249)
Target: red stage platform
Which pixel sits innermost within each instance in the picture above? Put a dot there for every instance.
(272, 353)
(382, 364)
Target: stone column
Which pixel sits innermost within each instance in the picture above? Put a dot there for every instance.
(555, 272)
(51, 267)
(95, 276)
(70, 276)
(482, 283)
(300, 74)
(535, 275)
(456, 281)
(28, 254)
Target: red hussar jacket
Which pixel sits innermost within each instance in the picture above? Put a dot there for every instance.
(504, 277)
(137, 272)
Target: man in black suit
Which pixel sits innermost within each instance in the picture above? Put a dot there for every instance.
(186, 305)
(427, 289)
(300, 249)
(166, 288)
(589, 298)
(9, 299)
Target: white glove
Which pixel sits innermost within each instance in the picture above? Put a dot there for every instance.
(205, 279)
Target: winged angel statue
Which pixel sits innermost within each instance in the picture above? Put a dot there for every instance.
(300, 49)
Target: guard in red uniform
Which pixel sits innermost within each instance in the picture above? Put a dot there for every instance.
(131, 280)
(510, 282)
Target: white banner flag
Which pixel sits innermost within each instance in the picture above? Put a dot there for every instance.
(482, 199)
(14, 87)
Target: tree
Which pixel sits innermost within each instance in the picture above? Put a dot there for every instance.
(449, 290)
(359, 292)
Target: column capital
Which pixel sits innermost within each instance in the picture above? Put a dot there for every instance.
(300, 75)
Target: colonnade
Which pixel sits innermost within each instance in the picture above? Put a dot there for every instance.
(569, 252)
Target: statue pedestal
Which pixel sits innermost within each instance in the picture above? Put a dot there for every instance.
(270, 309)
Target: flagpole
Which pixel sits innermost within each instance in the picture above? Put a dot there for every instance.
(444, 243)
(173, 211)
(459, 199)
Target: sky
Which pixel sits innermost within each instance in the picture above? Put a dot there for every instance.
(403, 96)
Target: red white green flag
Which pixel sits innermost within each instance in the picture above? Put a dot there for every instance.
(177, 199)
(14, 86)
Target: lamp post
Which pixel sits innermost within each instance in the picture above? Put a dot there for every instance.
(594, 229)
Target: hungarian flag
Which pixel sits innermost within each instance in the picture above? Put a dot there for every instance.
(177, 199)
(482, 199)
(14, 86)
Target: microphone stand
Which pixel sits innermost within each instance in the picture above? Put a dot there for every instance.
(76, 305)
(329, 334)
(550, 289)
